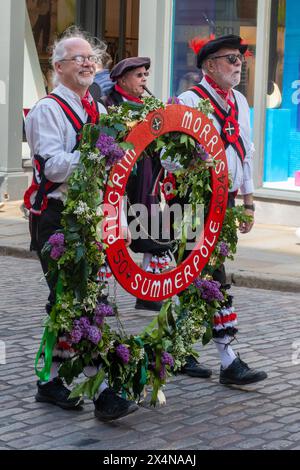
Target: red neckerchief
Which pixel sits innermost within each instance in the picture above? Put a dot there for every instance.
(90, 108)
(224, 94)
(126, 95)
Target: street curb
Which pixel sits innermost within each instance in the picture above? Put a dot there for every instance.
(17, 252)
(238, 278)
(264, 281)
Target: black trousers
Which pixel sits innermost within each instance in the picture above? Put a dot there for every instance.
(219, 274)
(41, 228)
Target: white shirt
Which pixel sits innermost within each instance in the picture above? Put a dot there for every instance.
(241, 174)
(50, 135)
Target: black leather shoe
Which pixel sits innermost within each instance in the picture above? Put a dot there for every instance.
(148, 305)
(56, 393)
(109, 406)
(239, 373)
(194, 369)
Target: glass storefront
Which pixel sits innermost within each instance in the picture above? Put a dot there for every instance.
(114, 21)
(282, 136)
(200, 18)
(49, 18)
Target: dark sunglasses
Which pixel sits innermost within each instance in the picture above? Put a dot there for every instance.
(232, 58)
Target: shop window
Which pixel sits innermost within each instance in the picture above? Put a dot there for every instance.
(122, 28)
(200, 18)
(49, 18)
(282, 135)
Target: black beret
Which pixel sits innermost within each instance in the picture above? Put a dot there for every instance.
(129, 64)
(230, 41)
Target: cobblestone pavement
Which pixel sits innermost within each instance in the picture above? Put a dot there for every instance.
(199, 414)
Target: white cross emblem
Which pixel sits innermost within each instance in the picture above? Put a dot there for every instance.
(156, 124)
(230, 130)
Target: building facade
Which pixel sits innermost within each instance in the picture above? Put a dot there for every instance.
(162, 30)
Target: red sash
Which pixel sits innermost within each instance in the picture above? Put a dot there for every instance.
(230, 129)
(35, 197)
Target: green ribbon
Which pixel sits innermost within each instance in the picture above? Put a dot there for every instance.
(144, 367)
(48, 341)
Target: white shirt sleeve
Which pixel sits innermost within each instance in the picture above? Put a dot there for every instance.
(45, 131)
(247, 187)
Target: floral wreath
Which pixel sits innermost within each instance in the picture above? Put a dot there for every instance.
(77, 259)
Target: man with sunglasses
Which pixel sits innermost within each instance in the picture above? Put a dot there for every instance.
(221, 63)
(53, 129)
(131, 76)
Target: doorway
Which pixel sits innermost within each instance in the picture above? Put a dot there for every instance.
(114, 21)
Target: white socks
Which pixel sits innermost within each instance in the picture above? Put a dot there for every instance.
(53, 372)
(226, 352)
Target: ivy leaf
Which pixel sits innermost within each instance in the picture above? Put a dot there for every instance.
(72, 236)
(207, 336)
(184, 140)
(66, 372)
(78, 391)
(77, 367)
(120, 127)
(126, 146)
(109, 131)
(97, 381)
(80, 251)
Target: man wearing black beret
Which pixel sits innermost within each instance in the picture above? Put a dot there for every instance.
(130, 76)
(221, 61)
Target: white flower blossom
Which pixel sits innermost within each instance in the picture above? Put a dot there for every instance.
(94, 156)
(83, 210)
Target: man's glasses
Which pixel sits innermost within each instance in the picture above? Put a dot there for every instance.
(80, 59)
(142, 74)
(232, 58)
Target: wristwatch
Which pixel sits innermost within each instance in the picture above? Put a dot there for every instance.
(251, 207)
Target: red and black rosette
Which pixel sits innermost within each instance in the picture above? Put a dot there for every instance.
(169, 187)
(231, 130)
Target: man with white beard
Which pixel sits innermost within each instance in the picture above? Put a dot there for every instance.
(221, 62)
(52, 129)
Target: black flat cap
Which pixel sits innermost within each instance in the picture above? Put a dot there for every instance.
(230, 41)
(129, 64)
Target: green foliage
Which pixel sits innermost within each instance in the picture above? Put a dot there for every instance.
(176, 328)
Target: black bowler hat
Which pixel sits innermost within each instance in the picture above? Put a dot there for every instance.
(129, 64)
(204, 48)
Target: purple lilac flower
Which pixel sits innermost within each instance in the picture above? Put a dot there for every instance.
(201, 152)
(57, 251)
(224, 249)
(104, 310)
(109, 148)
(57, 239)
(93, 334)
(162, 373)
(123, 353)
(99, 246)
(76, 335)
(210, 290)
(99, 320)
(173, 100)
(84, 323)
(167, 359)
